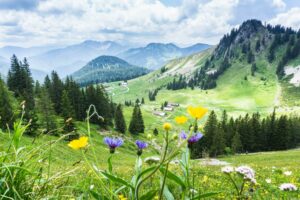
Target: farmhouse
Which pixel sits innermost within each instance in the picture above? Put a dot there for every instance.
(124, 83)
(158, 113)
(173, 105)
(168, 108)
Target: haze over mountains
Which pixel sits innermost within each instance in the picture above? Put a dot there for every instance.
(155, 55)
(66, 60)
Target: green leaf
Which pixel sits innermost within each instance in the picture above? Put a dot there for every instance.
(168, 195)
(145, 172)
(116, 179)
(109, 164)
(98, 196)
(174, 177)
(205, 195)
(149, 195)
(117, 191)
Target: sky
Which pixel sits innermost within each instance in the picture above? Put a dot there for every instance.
(184, 22)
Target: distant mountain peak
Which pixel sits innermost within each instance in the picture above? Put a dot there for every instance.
(155, 55)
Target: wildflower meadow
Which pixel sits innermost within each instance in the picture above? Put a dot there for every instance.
(29, 171)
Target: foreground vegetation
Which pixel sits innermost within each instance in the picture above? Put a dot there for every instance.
(101, 167)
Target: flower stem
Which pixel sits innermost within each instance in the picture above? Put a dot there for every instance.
(155, 170)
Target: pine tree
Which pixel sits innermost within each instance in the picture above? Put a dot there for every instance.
(37, 88)
(281, 134)
(210, 130)
(6, 109)
(14, 80)
(21, 83)
(67, 112)
(46, 110)
(136, 124)
(256, 132)
(218, 143)
(55, 90)
(236, 144)
(120, 124)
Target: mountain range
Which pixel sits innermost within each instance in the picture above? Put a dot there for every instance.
(155, 55)
(68, 59)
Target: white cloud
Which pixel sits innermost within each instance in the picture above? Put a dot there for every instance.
(140, 21)
(291, 18)
(278, 4)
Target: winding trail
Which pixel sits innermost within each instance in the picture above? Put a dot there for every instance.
(114, 94)
(277, 95)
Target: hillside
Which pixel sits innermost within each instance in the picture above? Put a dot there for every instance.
(155, 55)
(107, 69)
(236, 75)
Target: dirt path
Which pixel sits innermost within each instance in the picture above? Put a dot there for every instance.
(277, 95)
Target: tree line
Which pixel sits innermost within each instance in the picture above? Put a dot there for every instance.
(249, 133)
(55, 99)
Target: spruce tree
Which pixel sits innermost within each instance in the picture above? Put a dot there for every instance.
(6, 108)
(37, 88)
(46, 110)
(136, 124)
(67, 112)
(218, 143)
(236, 144)
(210, 130)
(120, 124)
(281, 134)
(55, 90)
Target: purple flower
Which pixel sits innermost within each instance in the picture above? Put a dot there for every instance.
(113, 143)
(195, 138)
(141, 145)
(183, 135)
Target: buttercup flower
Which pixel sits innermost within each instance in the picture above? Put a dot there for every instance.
(79, 143)
(167, 126)
(227, 169)
(288, 187)
(121, 197)
(141, 145)
(113, 143)
(181, 119)
(197, 112)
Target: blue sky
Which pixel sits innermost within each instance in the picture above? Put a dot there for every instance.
(184, 22)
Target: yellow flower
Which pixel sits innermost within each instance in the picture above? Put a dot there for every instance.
(156, 197)
(80, 143)
(205, 179)
(180, 119)
(121, 197)
(197, 112)
(167, 126)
